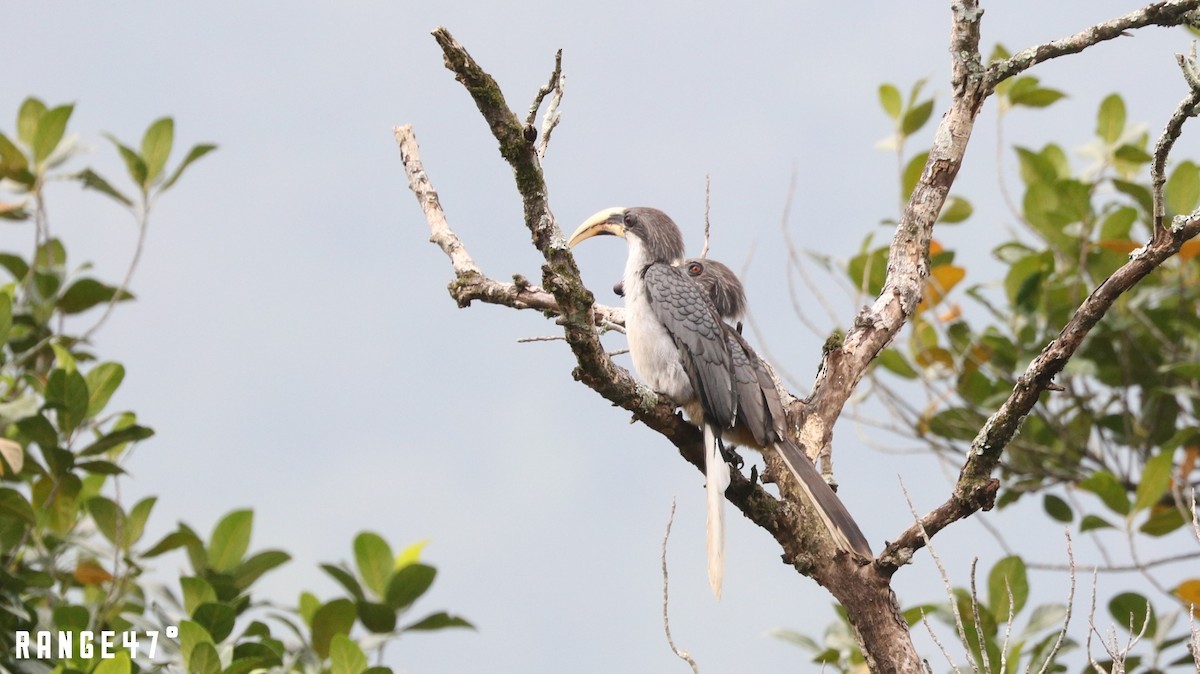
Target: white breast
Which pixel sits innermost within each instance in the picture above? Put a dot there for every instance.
(655, 356)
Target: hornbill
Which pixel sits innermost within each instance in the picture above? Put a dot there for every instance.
(682, 348)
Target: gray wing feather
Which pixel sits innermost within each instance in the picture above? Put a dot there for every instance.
(689, 316)
(761, 411)
(833, 513)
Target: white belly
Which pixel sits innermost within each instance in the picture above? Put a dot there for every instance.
(655, 356)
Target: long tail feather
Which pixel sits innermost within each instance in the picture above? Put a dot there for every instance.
(833, 513)
(716, 474)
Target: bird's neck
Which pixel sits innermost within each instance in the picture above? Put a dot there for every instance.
(640, 258)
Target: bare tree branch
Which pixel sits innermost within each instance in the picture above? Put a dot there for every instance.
(874, 328)
(864, 590)
(975, 488)
(1180, 12)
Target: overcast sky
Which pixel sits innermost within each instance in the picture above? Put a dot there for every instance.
(296, 351)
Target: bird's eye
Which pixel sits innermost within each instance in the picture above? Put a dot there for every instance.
(695, 269)
(630, 220)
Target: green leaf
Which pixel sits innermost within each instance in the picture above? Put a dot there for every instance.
(1183, 189)
(1105, 485)
(1008, 575)
(956, 423)
(100, 467)
(894, 361)
(409, 583)
(195, 153)
(1163, 521)
(912, 174)
(156, 146)
(1117, 225)
(63, 356)
(345, 657)
(71, 618)
(15, 265)
(102, 382)
(1057, 508)
(6, 317)
(916, 117)
(1156, 479)
(346, 579)
(1036, 97)
(51, 255)
(955, 210)
(67, 392)
(204, 660)
(378, 618)
(1132, 610)
(14, 506)
(889, 98)
(1110, 122)
(256, 565)
(374, 559)
(332, 619)
(868, 271)
(1043, 617)
(1024, 280)
(1132, 154)
(107, 515)
(230, 540)
(134, 164)
(191, 636)
(116, 438)
(12, 160)
(1139, 193)
(50, 130)
(196, 591)
(92, 180)
(28, 118)
(308, 607)
(1091, 522)
(118, 664)
(1035, 168)
(438, 621)
(217, 618)
(86, 293)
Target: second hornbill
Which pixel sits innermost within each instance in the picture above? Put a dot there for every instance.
(682, 348)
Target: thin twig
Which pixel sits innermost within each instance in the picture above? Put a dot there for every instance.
(681, 654)
(1120, 568)
(1185, 110)
(1062, 633)
(558, 83)
(1092, 629)
(142, 217)
(938, 642)
(707, 203)
(470, 282)
(984, 664)
(937, 562)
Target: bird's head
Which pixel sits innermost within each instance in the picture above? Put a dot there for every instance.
(649, 229)
(720, 284)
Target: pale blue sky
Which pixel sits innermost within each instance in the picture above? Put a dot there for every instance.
(295, 349)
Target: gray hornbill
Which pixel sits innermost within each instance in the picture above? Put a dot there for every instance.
(761, 418)
(682, 348)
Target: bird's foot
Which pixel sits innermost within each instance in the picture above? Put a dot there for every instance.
(730, 456)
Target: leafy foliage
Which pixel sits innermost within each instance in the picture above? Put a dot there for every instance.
(72, 554)
(1124, 428)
